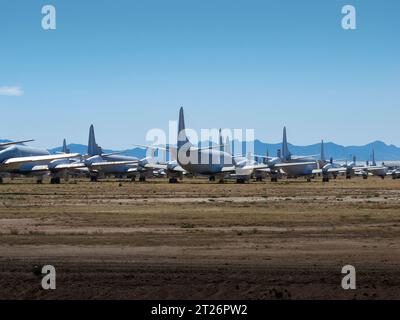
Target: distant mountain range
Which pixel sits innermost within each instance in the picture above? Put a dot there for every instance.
(382, 150)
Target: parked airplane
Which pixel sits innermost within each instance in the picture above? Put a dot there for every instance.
(293, 166)
(16, 158)
(211, 161)
(148, 166)
(373, 169)
(201, 161)
(65, 167)
(101, 164)
(171, 168)
(395, 173)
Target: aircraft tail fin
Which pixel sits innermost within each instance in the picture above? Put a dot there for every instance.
(373, 158)
(227, 147)
(323, 159)
(182, 138)
(285, 148)
(151, 152)
(65, 149)
(93, 147)
(221, 144)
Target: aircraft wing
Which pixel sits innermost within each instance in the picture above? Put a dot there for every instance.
(316, 171)
(40, 167)
(361, 173)
(171, 149)
(107, 164)
(209, 147)
(178, 169)
(228, 169)
(293, 164)
(374, 168)
(330, 170)
(260, 166)
(249, 169)
(358, 168)
(337, 169)
(105, 155)
(155, 166)
(74, 165)
(14, 162)
(305, 157)
(6, 144)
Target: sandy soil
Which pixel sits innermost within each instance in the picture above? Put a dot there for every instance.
(200, 240)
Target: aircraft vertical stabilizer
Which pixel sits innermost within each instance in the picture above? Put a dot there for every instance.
(93, 148)
(220, 142)
(65, 149)
(182, 138)
(227, 147)
(373, 158)
(323, 159)
(285, 148)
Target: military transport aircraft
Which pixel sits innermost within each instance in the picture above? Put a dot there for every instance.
(17, 158)
(101, 164)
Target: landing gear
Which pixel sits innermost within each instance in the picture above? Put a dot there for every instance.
(55, 180)
(325, 178)
(308, 179)
(142, 179)
(211, 178)
(259, 179)
(240, 181)
(39, 181)
(221, 180)
(133, 179)
(93, 178)
(365, 177)
(1, 179)
(173, 180)
(382, 177)
(348, 176)
(274, 177)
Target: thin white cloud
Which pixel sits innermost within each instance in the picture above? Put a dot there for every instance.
(11, 91)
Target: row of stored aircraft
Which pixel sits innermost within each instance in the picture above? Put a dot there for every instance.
(216, 162)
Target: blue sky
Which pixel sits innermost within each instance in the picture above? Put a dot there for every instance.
(127, 67)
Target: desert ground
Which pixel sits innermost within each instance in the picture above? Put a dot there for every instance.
(117, 239)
